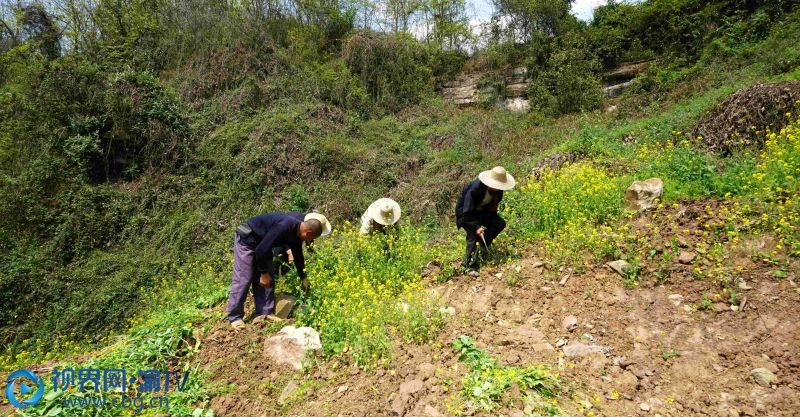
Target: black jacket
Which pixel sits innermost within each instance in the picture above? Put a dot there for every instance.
(273, 230)
(467, 213)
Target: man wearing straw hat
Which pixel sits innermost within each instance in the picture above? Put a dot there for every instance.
(382, 213)
(476, 212)
(253, 263)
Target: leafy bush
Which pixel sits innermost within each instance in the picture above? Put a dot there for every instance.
(393, 69)
(488, 380)
(568, 83)
(148, 125)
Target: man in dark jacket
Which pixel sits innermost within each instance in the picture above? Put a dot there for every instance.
(284, 255)
(253, 266)
(476, 212)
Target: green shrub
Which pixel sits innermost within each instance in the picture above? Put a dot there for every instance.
(393, 69)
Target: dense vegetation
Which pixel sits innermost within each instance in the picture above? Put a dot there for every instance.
(135, 135)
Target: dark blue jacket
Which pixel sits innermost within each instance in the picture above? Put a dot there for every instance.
(467, 213)
(273, 230)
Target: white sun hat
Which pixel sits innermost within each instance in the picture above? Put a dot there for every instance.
(497, 178)
(326, 225)
(384, 211)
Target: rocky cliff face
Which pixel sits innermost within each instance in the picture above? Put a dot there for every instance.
(468, 89)
(615, 82)
(509, 88)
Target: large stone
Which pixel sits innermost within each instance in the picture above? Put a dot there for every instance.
(763, 377)
(517, 105)
(284, 304)
(642, 195)
(292, 345)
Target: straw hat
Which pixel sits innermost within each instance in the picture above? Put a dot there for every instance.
(384, 211)
(326, 225)
(497, 178)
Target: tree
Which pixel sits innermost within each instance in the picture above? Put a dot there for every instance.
(523, 19)
(449, 24)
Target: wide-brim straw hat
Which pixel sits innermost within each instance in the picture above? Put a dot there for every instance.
(326, 225)
(384, 211)
(498, 179)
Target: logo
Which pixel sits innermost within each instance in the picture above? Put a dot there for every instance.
(24, 389)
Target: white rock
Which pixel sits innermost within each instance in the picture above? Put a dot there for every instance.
(642, 195)
(619, 266)
(763, 377)
(569, 323)
(578, 349)
(675, 299)
(291, 345)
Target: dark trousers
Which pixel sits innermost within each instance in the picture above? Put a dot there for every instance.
(494, 224)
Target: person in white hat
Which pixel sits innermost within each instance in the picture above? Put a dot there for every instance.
(379, 215)
(476, 212)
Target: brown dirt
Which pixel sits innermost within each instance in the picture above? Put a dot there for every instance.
(681, 361)
(729, 125)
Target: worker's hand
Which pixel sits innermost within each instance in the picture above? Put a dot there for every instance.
(305, 284)
(481, 231)
(266, 280)
(289, 255)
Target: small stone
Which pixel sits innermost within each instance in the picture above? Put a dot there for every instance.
(644, 407)
(743, 286)
(619, 266)
(288, 392)
(687, 308)
(675, 299)
(569, 323)
(686, 257)
(342, 389)
(734, 307)
(561, 342)
(763, 377)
